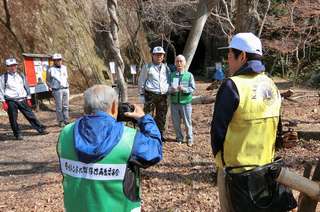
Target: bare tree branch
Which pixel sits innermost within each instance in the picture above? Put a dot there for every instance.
(264, 18)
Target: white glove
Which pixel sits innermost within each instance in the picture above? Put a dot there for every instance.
(141, 99)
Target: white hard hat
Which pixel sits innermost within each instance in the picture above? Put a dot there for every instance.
(56, 56)
(158, 50)
(246, 42)
(11, 61)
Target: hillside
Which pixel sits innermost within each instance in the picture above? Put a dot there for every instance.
(68, 27)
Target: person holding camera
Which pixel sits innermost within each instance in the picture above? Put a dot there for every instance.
(153, 88)
(15, 95)
(243, 133)
(182, 86)
(100, 157)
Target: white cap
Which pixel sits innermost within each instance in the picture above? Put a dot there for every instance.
(246, 42)
(11, 61)
(56, 56)
(158, 50)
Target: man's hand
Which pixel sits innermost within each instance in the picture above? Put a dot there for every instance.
(173, 89)
(29, 102)
(181, 88)
(5, 106)
(137, 113)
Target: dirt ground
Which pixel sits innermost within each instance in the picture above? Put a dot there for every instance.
(184, 181)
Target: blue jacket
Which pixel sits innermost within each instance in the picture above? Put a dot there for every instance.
(96, 135)
(218, 74)
(227, 102)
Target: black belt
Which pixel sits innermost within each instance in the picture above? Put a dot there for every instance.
(19, 99)
(155, 93)
(56, 89)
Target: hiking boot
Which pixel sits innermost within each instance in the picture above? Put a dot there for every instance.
(19, 137)
(179, 141)
(61, 124)
(43, 132)
(190, 143)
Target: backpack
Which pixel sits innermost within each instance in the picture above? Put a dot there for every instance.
(23, 79)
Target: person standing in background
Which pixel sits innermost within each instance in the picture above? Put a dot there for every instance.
(182, 86)
(57, 80)
(153, 88)
(15, 95)
(218, 74)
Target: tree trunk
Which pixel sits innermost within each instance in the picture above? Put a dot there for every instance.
(307, 135)
(203, 11)
(203, 100)
(299, 183)
(306, 204)
(247, 17)
(115, 49)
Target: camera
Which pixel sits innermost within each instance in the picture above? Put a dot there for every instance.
(124, 107)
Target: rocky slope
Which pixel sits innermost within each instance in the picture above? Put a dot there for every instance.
(68, 27)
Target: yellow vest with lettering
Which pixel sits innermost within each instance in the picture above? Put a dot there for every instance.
(251, 134)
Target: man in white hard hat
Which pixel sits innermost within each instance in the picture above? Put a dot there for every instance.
(15, 95)
(57, 80)
(243, 132)
(153, 88)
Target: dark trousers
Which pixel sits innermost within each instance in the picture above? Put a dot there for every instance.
(13, 108)
(157, 104)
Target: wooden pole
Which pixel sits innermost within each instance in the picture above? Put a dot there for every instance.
(203, 100)
(307, 204)
(299, 183)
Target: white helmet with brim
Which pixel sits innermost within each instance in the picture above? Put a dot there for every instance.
(158, 50)
(247, 42)
(11, 61)
(56, 56)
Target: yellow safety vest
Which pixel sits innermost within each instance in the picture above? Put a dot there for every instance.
(251, 134)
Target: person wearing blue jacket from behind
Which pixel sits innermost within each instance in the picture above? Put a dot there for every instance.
(97, 141)
(218, 74)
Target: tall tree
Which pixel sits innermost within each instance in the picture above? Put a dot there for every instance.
(247, 16)
(201, 16)
(115, 49)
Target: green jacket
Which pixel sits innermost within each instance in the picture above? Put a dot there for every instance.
(99, 186)
(181, 97)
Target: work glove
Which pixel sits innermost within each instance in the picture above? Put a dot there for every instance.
(5, 106)
(29, 102)
(141, 99)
